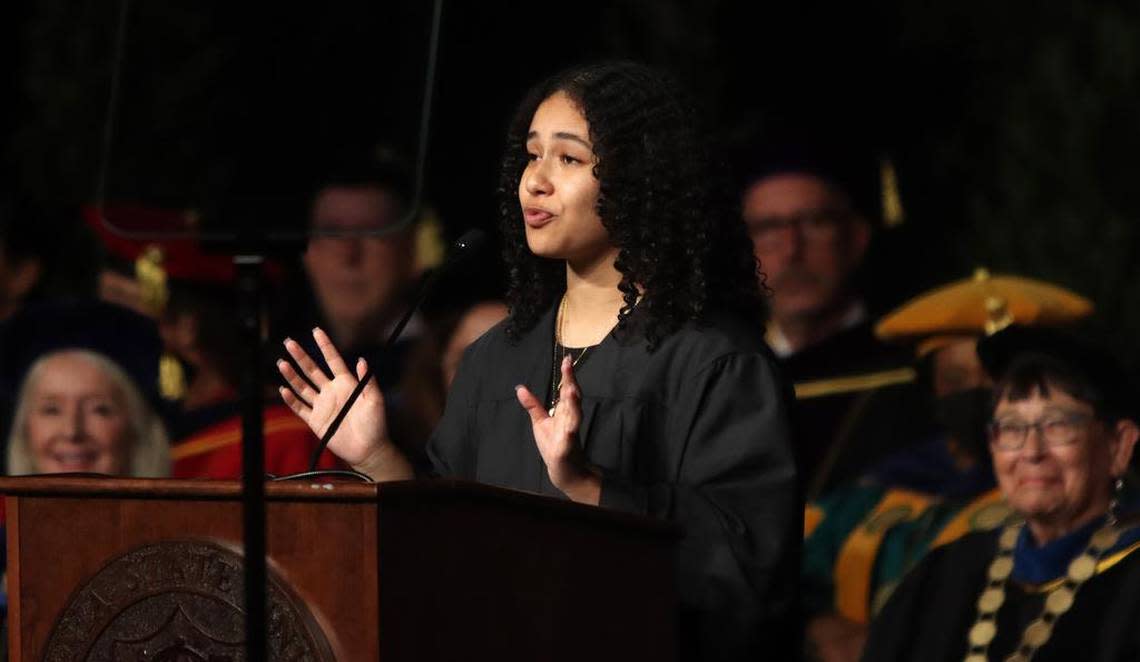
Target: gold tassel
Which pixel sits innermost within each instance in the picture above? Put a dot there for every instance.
(154, 293)
(893, 214)
(998, 316)
(430, 247)
(152, 280)
(171, 378)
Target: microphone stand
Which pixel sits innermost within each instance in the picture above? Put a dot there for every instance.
(248, 261)
(250, 280)
(464, 247)
(249, 291)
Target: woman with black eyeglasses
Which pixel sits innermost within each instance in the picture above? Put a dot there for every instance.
(1061, 579)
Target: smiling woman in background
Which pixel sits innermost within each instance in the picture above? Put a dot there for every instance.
(1061, 580)
(79, 412)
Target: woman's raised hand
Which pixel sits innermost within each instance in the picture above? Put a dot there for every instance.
(362, 439)
(556, 436)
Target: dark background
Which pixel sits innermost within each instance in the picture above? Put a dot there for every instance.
(1013, 126)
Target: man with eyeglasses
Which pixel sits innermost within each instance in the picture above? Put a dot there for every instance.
(810, 212)
(360, 267)
(359, 280)
(809, 240)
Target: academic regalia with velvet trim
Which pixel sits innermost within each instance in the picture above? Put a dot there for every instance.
(840, 436)
(214, 450)
(863, 539)
(695, 432)
(929, 615)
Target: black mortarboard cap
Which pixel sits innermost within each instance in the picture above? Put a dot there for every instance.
(842, 162)
(122, 335)
(999, 352)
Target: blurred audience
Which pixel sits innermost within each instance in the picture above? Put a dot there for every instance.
(78, 411)
(128, 339)
(474, 322)
(810, 239)
(1055, 581)
(862, 538)
(85, 377)
(360, 283)
(20, 265)
(810, 211)
(192, 298)
(44, 254)
(431, 366)
(198, 327)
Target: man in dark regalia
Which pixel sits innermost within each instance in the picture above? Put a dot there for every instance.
(811, 212)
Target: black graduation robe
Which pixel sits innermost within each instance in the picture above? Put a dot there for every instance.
(695, 432)
(840, 436)
(930, 614)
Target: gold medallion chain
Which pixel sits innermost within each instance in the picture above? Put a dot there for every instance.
(1057, 601)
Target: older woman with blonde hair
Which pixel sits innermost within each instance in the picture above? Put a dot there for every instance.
(78, 411)
(1061, 579)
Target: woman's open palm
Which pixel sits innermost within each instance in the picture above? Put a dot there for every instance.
(316, 398)
(556, 433)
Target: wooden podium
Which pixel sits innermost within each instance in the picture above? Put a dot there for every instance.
(150, 570)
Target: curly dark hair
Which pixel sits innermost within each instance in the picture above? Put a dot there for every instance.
(675, 230)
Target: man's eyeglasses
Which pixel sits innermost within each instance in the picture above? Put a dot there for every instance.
(328, 232)
(818, 226)
(1054, 431)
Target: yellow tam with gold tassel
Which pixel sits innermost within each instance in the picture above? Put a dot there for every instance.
(980, 306)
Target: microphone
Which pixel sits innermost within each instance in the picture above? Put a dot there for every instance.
(470, 243)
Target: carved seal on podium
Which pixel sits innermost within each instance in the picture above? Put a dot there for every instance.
(178, 601)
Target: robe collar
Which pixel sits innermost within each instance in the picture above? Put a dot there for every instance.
(1038, 564)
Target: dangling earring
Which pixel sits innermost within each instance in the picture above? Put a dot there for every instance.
(1114, 505)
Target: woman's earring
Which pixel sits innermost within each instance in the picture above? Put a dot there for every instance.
(1114, 505)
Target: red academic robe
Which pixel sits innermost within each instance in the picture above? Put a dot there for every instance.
(215, 451)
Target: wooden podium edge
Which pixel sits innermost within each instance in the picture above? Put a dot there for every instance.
(12, 576)
(114, 487)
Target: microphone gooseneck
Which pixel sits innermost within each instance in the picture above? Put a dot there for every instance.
(466, 246)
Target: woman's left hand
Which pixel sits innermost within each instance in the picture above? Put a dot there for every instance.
(557, 439)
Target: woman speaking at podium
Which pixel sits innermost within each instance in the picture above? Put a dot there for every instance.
(631, 372)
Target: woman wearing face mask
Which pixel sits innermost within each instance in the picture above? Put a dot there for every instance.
(1059, 580)
(79, 412)
(631, 372)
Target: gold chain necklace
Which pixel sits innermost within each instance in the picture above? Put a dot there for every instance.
(1057, 602)
(556, 376)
